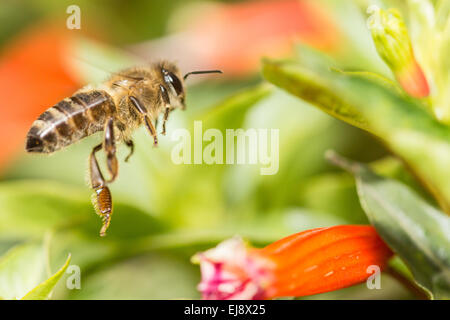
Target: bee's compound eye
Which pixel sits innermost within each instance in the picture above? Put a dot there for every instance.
(176, 83)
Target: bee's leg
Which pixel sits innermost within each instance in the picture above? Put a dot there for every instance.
(166, 99)
(151, 129)
(129, 144)
(102, 197)
(148, 123)
(109, 144)
(96, 175)
(166, 117)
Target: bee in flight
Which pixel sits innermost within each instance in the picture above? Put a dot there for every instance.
(129, 99)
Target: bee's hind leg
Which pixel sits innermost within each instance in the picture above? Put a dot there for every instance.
(102, 197)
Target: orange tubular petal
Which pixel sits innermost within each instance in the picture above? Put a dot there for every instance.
(324, 259)
(306, 263)
(413, 81)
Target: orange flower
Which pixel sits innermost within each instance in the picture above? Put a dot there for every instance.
(306, 263)
(393, 44)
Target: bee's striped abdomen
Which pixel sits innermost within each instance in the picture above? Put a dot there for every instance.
(69, 121)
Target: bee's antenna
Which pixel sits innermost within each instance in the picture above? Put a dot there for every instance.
(201, 72)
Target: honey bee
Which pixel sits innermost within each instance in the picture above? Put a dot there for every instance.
(127, 100)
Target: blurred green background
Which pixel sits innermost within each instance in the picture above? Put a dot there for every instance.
(164, 212)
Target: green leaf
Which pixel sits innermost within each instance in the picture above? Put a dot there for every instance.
(44, 290)
(416, 231)
(402, 123)
(375, 77)
(310, 87)
(21, 269)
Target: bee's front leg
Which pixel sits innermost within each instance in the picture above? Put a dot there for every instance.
(102, 198)
(166, 99)
(129, 144)
(166, 117)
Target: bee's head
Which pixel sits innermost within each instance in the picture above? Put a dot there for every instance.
(172, 79)
(174, 82)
